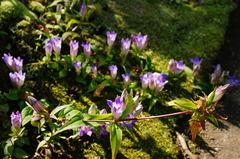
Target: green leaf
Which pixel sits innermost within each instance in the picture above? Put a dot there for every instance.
(81, 80)
(102, 60)
(26, 115)
(92, 86)
(133, 85)
(8, 149)
(62, 73)
(4, 108)
(105, 83)
(67, 59)
(86, 69)
(94, 48)
(54, 3)
(189, 72)
(115, 138)
(148, 63)
(69, 33)
(211, 96)
(59, 108)
(75, 122)
(72, 21)
(12, 95)
(41, 144)
(183, 103)
(153, 101)
(129, 103)
(97, 117)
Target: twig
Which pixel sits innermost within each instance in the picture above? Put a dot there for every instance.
(185, 147)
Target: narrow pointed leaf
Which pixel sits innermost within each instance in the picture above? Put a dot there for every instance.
(183, 103)
(115, 138)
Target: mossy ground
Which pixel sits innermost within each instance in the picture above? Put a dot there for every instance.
(175, 30)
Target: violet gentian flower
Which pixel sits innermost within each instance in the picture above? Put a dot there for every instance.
(140, 41)
(48, 47)
(15, 64)
(87, 48)
(83, 10)
(57, 44)
(94, 70)
(86, 130)
(154, 81)
(59, 8)
(17, 78)
(103, 130)
(113, 70)
(175, 66)
(145, 80)
(111, 37)
(129, 123)
(233, 81)
(74, 48)
(38, 107)
(125, 46)
(16, 120)
(78, 66)
(196, 65)
(126, 78)
(117, 107)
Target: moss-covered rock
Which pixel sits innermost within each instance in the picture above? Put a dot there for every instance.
(16, 9)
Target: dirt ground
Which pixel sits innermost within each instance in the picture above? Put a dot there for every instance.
(223, 142)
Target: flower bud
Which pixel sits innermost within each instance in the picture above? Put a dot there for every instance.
(37, 105)
(113, 70)
(16, 120)
(17, 78)
(111, 37)
(219, 92)
(83, 10)
(74, 48)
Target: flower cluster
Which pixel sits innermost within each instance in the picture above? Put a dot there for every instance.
(175, 66)
(15, 64)
(154, 81)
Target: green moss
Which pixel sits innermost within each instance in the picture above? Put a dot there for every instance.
(16, 9)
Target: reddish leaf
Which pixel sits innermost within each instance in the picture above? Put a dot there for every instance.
(195, 127)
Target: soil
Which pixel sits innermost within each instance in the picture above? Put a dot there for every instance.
(223, 141)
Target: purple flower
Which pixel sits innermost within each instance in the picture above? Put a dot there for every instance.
(38, 107)
(59, 8)
(125, 46)
(87, 48)
(232, 81)
(126, 78)
(217, 70)
(175, 66)
(196, 65)
(48, 46)
(140, 41)
(16, 120)
(94, 69)
(155, 81)
(130, 122)
(144, 80)
(111, 37)
(74, 48)
(15, 64)
(83, 10)
(103, 111)
(117, 107)
(103, 130)
(17, 78)
(78, 66)
(113, 70)
(57, 44)
(86, 130)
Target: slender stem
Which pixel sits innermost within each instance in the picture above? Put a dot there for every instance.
(151, 117)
